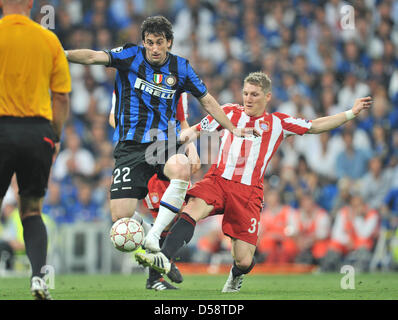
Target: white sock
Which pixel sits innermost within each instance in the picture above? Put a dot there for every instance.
(171, 203)
(146, 226)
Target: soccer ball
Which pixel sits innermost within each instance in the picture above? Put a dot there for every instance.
(127, 234)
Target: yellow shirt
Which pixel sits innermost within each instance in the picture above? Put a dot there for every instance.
(32, 64)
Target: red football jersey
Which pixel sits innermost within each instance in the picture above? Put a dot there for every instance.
(245, 159)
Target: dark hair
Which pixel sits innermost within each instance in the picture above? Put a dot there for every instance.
(158, 25)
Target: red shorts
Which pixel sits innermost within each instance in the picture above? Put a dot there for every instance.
(156, 189)
(241, 205)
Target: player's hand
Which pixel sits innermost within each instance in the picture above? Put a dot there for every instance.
(187, 135)
(361, 104)
(245, 132)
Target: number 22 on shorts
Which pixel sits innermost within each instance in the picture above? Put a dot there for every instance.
(125, 173)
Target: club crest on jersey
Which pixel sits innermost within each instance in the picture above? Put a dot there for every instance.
(157, 78)
(171, 80)
(264, 125)
(154, 197)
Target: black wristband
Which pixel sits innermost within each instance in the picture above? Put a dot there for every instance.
(56, 138)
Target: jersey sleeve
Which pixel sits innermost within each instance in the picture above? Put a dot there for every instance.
(121, 57)
(292, 125)
(209, 124)
(60, 76)
(193, 84)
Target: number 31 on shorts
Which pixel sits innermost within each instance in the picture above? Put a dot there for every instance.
(254, 226)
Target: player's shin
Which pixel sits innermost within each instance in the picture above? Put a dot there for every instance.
(238, 270)
(181, 233)
(170, 205)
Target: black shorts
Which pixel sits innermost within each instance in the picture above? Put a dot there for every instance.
(26, 149)
(136, 163)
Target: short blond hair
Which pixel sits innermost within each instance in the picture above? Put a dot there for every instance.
(259, 79)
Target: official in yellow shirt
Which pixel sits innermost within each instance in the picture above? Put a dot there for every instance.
(34, 104)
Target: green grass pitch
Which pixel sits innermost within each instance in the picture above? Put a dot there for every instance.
(208, 287)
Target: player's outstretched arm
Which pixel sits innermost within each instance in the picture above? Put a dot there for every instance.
(323, 124)
(87, 56)
(213, 108)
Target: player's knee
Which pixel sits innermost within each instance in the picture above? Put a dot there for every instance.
(197, 209)
(30, 206)
(115, 217)
(177, 167)
(122, 208)
(117, 214)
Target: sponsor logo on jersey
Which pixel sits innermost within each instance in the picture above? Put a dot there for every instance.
(153, 90)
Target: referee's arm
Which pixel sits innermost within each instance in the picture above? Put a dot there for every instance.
(60, 107)
(87, 56)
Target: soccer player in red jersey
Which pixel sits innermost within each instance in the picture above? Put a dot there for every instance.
(234, 184)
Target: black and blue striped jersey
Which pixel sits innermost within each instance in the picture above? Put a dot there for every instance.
(147, 95)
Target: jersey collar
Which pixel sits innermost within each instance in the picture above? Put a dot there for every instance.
(15, 17)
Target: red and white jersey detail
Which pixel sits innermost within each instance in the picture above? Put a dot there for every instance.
(113, 102)
(245, 159)
(182, 106)
(156, 189)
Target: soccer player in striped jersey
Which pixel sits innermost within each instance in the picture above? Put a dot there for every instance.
(234, 184)
(156, 189)
(149, 82)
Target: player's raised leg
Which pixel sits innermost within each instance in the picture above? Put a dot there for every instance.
(177, 169)
(181, 233)
(243, 254)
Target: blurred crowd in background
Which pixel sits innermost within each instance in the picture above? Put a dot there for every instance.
(327, 197)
